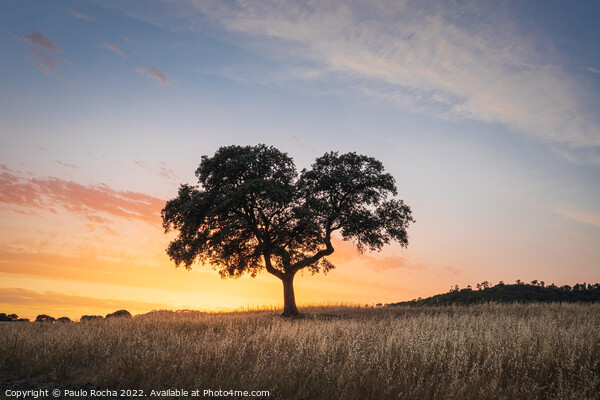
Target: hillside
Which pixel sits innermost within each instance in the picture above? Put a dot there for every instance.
(512, 293)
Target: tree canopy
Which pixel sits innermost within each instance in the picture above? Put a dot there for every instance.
(252, 210)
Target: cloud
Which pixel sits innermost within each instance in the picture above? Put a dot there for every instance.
(467, 60)
(589, 218)
(593, 70)
(347, 252)
(448, 271)
(93, 202)
(79, 15)
(154, 73)
(115, 267)
(84, 265)
(162, 170)
(69, 165)
(14, 297)
(46, 63)
(114, 48)
(38, 39)
(125, 38)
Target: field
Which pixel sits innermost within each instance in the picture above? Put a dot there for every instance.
(492, 351)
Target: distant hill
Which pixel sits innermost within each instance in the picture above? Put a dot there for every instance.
(512, 293)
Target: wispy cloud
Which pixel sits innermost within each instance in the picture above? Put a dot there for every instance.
(46, 63)
(593, 70)
(38, 39)
(466, 60)
(114, 48)
(162, 170)
(154, 73)
(12, 297)
(66, 164)
(347, 252)
(93, 202)
(79, 15)
(584, 217)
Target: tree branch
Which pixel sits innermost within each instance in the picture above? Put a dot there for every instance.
(318, 255)
(270, 269)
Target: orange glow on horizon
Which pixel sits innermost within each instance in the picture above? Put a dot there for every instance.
(70, 249)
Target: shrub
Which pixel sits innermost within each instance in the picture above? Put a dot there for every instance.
(45, 318)
(119, 314)
(90, 318)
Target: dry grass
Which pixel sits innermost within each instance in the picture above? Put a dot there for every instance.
(535, 351)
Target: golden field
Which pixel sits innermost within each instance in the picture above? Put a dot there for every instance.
(492, 351)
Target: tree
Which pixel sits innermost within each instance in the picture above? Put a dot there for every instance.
(252, 211)
(119, 314)
(45, 318)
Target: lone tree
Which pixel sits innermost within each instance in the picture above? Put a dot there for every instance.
(253, 211)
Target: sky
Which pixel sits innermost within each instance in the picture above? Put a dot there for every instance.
(485, 112)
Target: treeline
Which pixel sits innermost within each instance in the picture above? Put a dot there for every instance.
(48, 319)
(520, 292)
(12, 318)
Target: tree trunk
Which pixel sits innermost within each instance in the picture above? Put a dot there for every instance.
(289, 300)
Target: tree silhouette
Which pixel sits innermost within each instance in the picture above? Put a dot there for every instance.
(253, 211)
(45, 318)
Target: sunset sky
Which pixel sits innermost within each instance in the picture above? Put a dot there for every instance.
(487, 113)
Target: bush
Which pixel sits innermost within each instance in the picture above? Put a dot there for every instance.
(119, 314)
(90, 318)
(45, 318)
